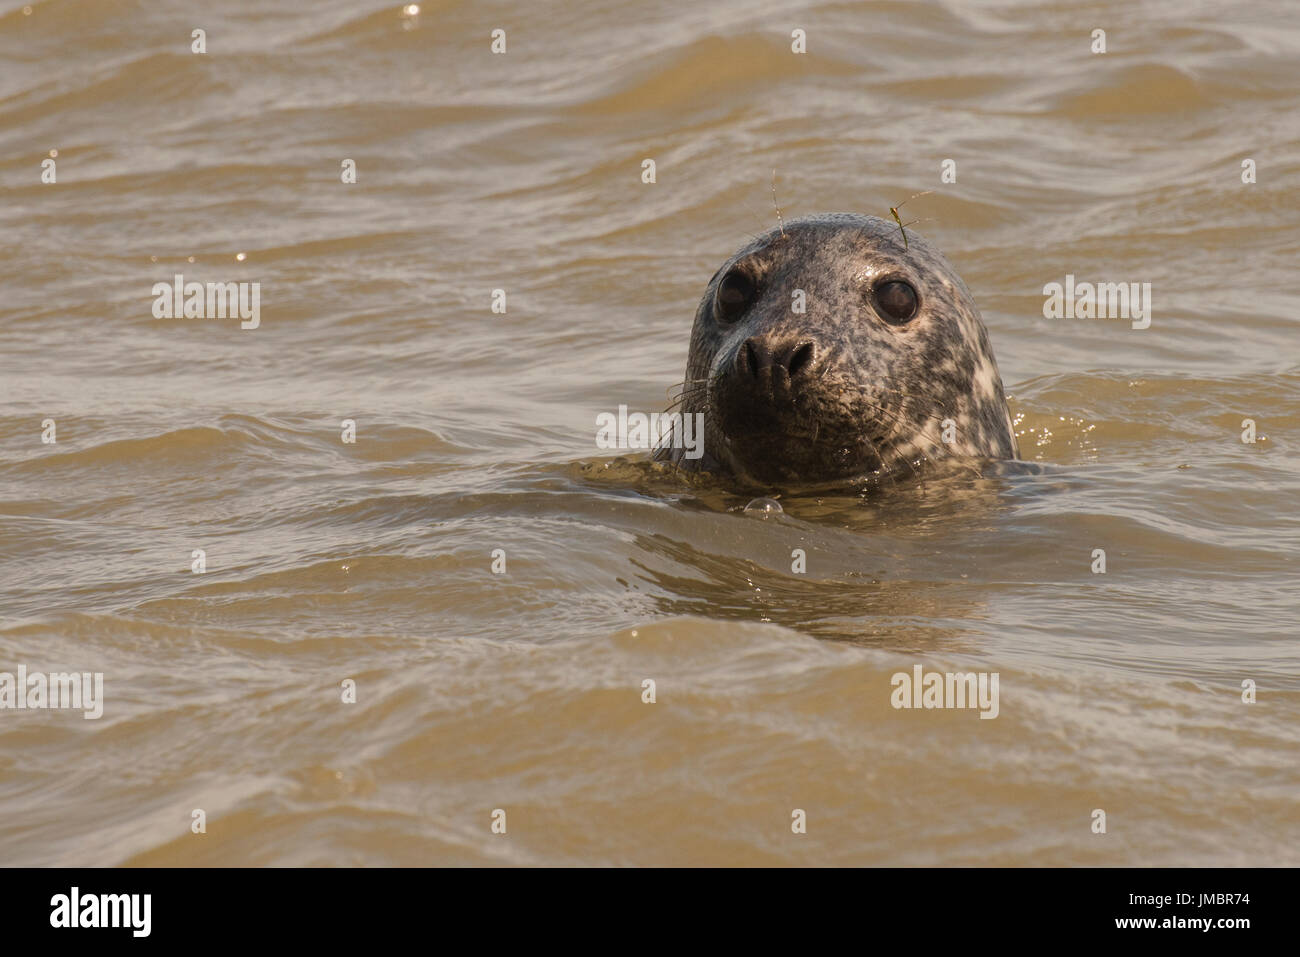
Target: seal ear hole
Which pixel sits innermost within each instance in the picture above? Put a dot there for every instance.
(734, 296)
(896, 301)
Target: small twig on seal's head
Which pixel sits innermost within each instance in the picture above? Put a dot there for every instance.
(902, 226)
(779, 221)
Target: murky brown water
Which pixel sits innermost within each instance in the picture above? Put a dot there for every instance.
(372, 561)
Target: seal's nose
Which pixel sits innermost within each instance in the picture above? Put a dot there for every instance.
(756, 357)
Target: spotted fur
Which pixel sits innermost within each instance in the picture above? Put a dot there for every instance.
(864, 398)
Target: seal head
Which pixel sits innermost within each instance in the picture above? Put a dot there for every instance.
(827, 351)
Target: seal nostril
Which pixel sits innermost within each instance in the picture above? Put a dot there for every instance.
(749, 358)
(801, 358)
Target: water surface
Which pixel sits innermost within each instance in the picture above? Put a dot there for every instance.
(523, 691)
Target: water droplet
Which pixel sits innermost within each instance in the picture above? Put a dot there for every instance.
(240, 257)
(765, 507)
(191, 259)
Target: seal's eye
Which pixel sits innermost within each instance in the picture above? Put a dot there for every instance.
(735, 293)
(896, 301)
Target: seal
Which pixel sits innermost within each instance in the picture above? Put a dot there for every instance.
(828, 351)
